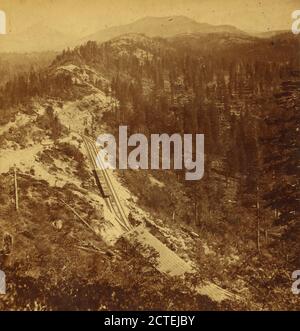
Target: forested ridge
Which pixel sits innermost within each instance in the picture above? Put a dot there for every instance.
(242, 93)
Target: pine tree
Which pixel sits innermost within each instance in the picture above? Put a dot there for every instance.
(281, 153)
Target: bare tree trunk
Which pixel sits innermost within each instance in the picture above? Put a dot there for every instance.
(196, 213)
(258, 219)
(16, 189)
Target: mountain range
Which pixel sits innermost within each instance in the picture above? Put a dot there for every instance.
(164, 27)
(41, 37)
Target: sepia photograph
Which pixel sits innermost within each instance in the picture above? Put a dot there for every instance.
(149, 157)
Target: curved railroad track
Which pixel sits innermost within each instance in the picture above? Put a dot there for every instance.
(105, 184)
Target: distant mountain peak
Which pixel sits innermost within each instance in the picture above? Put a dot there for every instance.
(43, 37)
(166, 18)
(164, 27)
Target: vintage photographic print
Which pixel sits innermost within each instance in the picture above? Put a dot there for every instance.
(149, 156)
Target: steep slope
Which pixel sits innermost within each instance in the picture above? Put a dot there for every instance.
(74, 229)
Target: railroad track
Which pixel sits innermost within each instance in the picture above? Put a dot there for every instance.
(169, 263)
(105, 184)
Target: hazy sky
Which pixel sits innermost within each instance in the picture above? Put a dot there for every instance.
(82, 17)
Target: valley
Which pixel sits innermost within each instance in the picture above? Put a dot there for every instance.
(234, 228)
